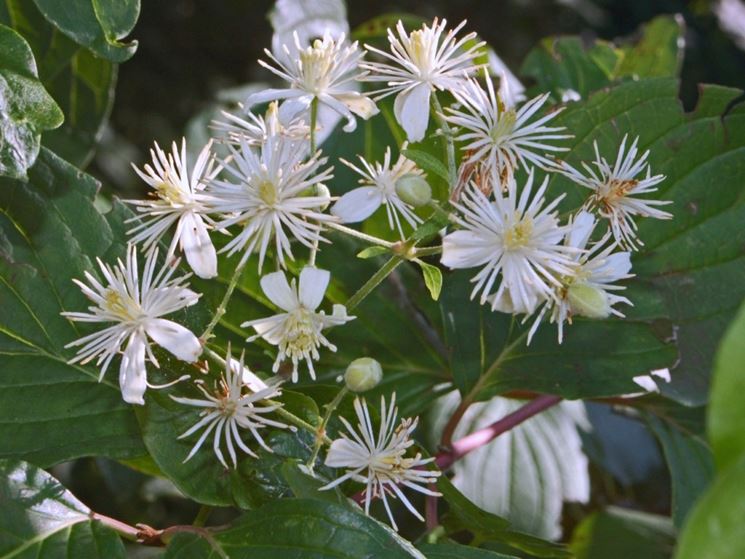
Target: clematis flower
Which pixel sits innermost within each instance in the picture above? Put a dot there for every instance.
(379, 187)
(135, 307)
(255, 129)
(379, 461)
(326, 71)
(237, 404)
(267, 193)
(515, 238)
(419, 63)
(615, 189)
(589, 290)
(501, 139)
(298, 331)
(177, 200)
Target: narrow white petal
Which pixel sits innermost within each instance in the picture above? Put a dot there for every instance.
(412, 111)
(358, 204)
(132, 373)
(197, 246)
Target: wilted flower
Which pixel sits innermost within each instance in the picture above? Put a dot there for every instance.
(135, 308)
(324, 71)
(422, 61)
(177, 200)
(614, 189)
(237, 403)
(270, 194)
(515, 237)
(379, 461)
(298, 331)
(379, 187)
(502, 138)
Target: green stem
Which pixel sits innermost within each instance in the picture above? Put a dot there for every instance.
(295, 420)
(359, 235)
(373, 282)
(449, 141)
(202, 515)
(427, 251)
(330, 408)
(224, 303)
(313, 122)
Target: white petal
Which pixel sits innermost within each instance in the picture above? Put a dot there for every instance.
(359, 104)
(197, 246)
(180, 341)
(358, 204)
(280, 293)
(132, 373)
(313, 284)
(617, 265)
(344, 453)
(412, 111)
(582, 226)
(462, 249)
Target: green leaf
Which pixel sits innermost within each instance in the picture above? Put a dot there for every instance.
(659, 51)
(26, 109)
(427, 162)
(39, 518)
(81, 82)
(726, 413)
(715, 528)
(50, 232)
(307, 486)
(98, 25)
(432, 278)
(299, 528)
(464, 515)
(457, 551)
(617, 533)
(689, 461)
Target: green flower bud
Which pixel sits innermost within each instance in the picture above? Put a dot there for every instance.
(414, 190)
(363, 374)
(588, 301)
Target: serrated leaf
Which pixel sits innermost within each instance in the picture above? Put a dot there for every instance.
(526, 474)
(41, 519)
(432, 278)
(298, 528)
(50, 232)
(617, 533)
(98, 25)
(427, 162)
(26, 109)
(81, 82)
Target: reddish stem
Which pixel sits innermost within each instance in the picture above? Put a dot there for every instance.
(479, 438)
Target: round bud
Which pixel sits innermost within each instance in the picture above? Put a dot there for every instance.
(588, 301)
(363, 374)
(414, 190)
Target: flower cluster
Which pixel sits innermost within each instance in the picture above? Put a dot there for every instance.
(268, 198)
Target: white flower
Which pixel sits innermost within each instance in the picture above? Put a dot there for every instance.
(325, 71)
(269, 194)
(235, 404)
(588, 291)
(177, 199)
(423, 61)
(379, 182)
(135, 308)
(515, 237)
(255, 129)
(500, 138)
(614, 188)
(298, 331)
(379, 461)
